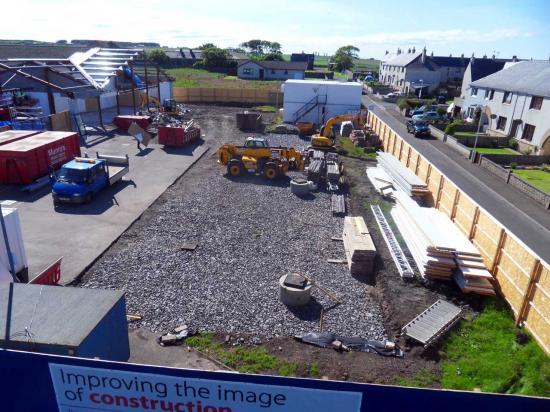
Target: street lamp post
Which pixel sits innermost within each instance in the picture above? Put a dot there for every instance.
(421, 87)
(473, 157)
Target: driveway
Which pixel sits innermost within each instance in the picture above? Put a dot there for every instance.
(81, 233)
(525, 218)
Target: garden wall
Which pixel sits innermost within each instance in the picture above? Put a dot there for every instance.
(521, 276)
(527, 160)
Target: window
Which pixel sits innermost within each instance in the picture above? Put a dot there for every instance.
(286, 71)
(507, 97)
(536, 102)
(491, 94)
(474, 92)
(487, 94)
(528, 132)
(247, 70)
(501, 123)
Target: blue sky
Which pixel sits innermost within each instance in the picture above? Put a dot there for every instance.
(482, 27)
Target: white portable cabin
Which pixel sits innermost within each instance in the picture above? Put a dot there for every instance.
(17, 247)
(316, 101)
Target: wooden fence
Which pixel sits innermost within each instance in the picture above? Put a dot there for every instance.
(521, 276)
(218, 95)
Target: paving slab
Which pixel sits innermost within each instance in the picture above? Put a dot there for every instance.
(81, 233)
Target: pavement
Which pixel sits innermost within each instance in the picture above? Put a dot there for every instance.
(145, 350)
(81, 233)
(521, 215)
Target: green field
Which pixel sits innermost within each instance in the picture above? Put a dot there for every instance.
(495, 150)
(484, 353)
(191, 78)
(538, 178)
(321, 62)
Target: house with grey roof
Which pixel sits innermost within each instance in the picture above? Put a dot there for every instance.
(271, 70)
(515, 102)
(412, 71)
(477, 69)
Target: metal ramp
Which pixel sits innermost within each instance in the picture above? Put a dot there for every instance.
(431, 324)
(399, 258)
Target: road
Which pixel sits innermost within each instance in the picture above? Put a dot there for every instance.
(525, 218)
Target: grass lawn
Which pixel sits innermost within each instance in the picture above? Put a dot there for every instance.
(484, 353)
(265, 108)
(538, 178)
(189, 78)
(464, 134)
(353, 150)
(495, 150)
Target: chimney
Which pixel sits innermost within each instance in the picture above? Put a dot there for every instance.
(409, 50)
(432, 54)
(462, 56)
(514, 58)
(387, 52)
(484, 56)
(450, 55)
(494, 57)
(424, 55)
(414, 49)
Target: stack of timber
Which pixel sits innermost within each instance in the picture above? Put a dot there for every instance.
(381, 181)
(441, 251)
(315, 170)
(358, 245)
(357, 136)
(338, 204)
(404, 178)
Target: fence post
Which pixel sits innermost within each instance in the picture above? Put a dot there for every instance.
(455, 204)
(529, 293)
(500, 246)
(508, 177)
(472, 232)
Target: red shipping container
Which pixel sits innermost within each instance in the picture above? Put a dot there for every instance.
(124, 122)
(177, 136)
(26, 160)
(14, 135)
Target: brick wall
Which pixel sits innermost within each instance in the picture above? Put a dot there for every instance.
(494, 168)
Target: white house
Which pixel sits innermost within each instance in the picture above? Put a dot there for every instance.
(316, 101)
(515, 102)
(413, 71)
(271, 70)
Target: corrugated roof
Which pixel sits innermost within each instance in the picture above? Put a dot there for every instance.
(529, 77)
(20, 51)
(278, 65)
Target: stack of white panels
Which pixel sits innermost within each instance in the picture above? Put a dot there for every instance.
(404, 178)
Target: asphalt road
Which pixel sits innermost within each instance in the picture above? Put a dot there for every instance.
(525, 218)
(81, 233)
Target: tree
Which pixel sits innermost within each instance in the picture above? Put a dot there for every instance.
(207, 46)
(274, 56)
(343, 58)
(215, 57)
(261, 47)
(158, 56)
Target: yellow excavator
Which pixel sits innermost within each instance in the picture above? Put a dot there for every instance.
(323, 140)
(258, 157)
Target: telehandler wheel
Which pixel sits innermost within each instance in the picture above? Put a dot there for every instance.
(270, 171)
(234, 168)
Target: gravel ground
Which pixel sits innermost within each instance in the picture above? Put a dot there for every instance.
(249, 233)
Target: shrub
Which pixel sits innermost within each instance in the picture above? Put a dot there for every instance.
(513, 165)
(403, 104)
(513, 144)
(450, 128)
(441, 111)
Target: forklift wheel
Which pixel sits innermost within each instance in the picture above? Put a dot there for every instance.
(270, 171)
(234, 168)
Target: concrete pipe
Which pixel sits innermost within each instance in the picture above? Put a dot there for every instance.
(300, 187)
(293, 296)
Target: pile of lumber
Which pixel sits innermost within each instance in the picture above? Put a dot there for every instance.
(381, 181)
(358, 137)
(441, 251)
(338, 204)
(358, 245)
(404, 178)
(315, 170)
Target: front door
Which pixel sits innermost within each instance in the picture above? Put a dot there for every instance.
(261, 74)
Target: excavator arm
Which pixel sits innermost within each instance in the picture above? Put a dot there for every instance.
(325, 130)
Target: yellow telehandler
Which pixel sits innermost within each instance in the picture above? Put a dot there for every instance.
(258, 157)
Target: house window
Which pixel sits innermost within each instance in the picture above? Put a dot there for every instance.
(528, 132)
(247, 70)
(491, 94)
(286, 71)
(272, 71)
(501, 123)
(536, 102)
(487, 94)
(474, 92)
(507, 97)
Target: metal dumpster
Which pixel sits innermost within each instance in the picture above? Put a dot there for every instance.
(25, 160)
(177, 136)
(14, 135)
(124, 122)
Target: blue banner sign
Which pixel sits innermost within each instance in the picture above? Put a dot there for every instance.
(38, 382)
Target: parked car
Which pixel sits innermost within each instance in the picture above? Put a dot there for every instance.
(392, 96)
(423, 109)
(419, 128)
(429, 117)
